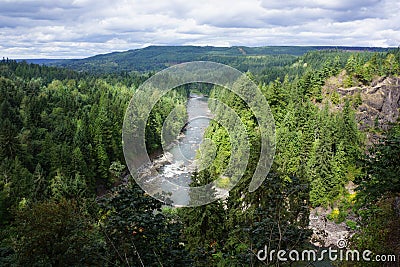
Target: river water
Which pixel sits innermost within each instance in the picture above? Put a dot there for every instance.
(182, 154)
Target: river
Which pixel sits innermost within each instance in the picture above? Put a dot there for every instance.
(182, 154)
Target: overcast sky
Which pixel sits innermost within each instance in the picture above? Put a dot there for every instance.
(82, 28)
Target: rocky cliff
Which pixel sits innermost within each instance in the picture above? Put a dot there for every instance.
(379, 103)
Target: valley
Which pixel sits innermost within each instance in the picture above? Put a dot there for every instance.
(67, 196)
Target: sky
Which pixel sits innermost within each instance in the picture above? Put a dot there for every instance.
(83, 28)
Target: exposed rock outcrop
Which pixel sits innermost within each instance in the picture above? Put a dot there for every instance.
(327, 233)
(380, 102)
(379, 106)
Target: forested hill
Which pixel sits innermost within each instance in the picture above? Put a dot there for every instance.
(154, 58)
(66, 199)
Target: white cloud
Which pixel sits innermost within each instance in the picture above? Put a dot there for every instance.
(80, 28)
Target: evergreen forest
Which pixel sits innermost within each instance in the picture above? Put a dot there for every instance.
(67, 197)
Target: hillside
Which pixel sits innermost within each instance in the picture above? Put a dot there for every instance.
(155, 58)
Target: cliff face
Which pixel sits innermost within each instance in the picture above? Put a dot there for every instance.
(380, 104)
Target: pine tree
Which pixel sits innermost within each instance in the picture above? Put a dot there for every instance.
(137, 232)
(204, 225)
(9, 143)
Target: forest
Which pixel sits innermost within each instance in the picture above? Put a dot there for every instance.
(67, 199)
(155, 58)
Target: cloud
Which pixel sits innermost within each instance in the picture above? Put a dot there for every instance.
(81, 28)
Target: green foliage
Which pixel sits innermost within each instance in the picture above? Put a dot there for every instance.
(204, 226)
(381, 169)
(351, 224)
(67, 187)
(271, 62)
(363, 68)
(252, 220)
(70, 128)
(154, 58)
(138, 233)
(317, 155)
(379, 229)
(377, 198)
(34, 72)
(57, 233)
(172, 101)
(60, 145)
(335, 98)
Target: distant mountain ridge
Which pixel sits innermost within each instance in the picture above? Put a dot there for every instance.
(40, 61)
(154, 58)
